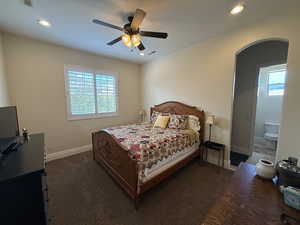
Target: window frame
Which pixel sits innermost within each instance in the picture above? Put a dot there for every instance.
(268, 82)
(96, 115)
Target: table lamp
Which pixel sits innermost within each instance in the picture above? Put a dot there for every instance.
(142, 115)
(210, 121)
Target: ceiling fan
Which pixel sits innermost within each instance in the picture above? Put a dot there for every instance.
(132, 33)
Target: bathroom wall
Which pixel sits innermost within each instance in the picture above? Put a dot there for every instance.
(268, 108)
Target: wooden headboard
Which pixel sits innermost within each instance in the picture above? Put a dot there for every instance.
(181, 109)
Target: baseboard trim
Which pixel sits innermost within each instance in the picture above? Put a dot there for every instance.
(242, 150)
(68, 152)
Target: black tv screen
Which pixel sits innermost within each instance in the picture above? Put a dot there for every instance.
(9, 126)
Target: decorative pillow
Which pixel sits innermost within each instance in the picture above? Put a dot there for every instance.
(178, 121)
(193, 123)
(154, 116)
(162, 121)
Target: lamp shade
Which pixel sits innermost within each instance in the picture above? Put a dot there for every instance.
(210, 120)
(142, 112)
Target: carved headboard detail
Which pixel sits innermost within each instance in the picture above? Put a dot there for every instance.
(181, 109)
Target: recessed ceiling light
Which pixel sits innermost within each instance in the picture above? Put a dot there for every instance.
(237, 9)
(44, 23)
(142, 53)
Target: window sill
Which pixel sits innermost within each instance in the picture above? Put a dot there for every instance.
(91, 116)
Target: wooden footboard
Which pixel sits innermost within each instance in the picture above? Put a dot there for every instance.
(115, 159)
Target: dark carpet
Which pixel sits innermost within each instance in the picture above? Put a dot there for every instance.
(82, 193)
(236, 158)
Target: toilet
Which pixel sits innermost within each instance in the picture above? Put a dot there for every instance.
(271, 131)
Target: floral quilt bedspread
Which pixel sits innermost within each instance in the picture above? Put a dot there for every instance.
(148, 144)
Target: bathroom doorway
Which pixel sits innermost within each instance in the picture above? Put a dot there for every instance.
(249, 127)
(270, 91)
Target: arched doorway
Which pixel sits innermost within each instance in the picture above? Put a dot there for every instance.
(251, 60)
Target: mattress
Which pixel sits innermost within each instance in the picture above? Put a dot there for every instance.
(163, 165)
(151, 146)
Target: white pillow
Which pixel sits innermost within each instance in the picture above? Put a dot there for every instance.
(193, 123)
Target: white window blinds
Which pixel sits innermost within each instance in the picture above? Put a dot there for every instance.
(90, 94)
(106, 93)
(81, 91)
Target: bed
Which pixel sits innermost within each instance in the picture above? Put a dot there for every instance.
(139, 156)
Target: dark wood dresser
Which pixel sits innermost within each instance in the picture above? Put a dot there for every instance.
(249, 200)
(23, 187)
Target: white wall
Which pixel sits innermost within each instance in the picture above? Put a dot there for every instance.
(4, 98)
(202, 75)
(268, 108)
(36, 85)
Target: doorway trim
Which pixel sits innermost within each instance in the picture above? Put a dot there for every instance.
(233, 90)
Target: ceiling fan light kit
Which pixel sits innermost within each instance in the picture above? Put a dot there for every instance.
(136, 39)
(127, 40)
(131, 40)
(132, 33)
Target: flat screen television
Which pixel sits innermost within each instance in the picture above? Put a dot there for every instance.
(9, 127)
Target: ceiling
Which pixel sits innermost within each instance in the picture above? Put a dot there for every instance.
(187, 21)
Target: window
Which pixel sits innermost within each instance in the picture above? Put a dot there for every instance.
(90, 94)
(276, 82)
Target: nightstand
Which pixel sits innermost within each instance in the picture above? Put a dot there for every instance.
(220, 148)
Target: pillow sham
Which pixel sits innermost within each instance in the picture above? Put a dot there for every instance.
(178, 121)
(193, 123)
(154, 116)
(162, 121)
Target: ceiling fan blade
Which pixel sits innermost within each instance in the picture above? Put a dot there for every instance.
(107, 24)
(154, 34)
(115, 41)
(137, 19)
(141, 47)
